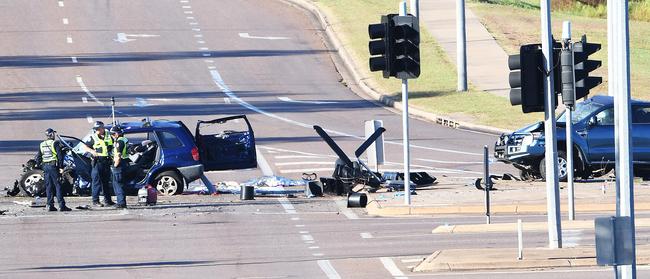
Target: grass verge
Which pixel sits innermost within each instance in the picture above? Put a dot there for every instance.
(434, 90)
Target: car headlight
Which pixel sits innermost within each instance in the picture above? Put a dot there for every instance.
(527, 140)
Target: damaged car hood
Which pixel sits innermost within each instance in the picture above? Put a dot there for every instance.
(535, 127)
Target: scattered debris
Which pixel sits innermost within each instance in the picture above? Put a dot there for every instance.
(2, 212)
(83, 207)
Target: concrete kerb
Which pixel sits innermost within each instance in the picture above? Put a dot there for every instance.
(385, 100)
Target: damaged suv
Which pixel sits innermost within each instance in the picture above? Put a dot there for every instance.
(593, 142)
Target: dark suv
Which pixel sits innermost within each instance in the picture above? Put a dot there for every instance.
(593, 142)
(163, 153)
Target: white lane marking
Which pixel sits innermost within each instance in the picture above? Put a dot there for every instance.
(317, 254)
(212, 68)
(61, 4)
(188, 12)
(81, 83)
(89, 119)
(306, 237)
(141, 102)
(303, 170)
(74, 59)
(198, 36)
(302, 163)
(196, 29)
(263, 164)
(194, 23)
(187, 7)
(184, 1)
(365, 235)
(65, 21)
(303, 232)
(295, 218)
(313, 247)
(330, 272)
(289, 100)
(125, 38)
(200, 42)
(68, 39)
(248, 36)
(571, 238)
(286, 204)
(209, 61)
(343, 208)
(411, 260)
(206, 54)
(204, 48)
(84, 100)
(300, 226)
(448, 162)
(226, 100)
(218, 80)
(190, 17)
(295, 157)
(391, 267)
(310, 242)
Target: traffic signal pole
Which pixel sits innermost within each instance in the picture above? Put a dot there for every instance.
(569, 99)
(552, 183)
(619, 54)
(405, 128)
(461, 46)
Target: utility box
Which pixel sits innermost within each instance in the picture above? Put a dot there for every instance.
(613, 241)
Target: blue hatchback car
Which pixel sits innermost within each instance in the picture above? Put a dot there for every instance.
(593, 142)
(164, 153)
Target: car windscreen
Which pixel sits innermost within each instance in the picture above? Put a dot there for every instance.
(583, 110)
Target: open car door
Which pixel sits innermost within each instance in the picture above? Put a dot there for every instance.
(226, 143)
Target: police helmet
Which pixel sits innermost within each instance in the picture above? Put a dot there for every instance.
(49, 133)
(98, 125)
(117, 130)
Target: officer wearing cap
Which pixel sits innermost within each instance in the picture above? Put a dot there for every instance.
(120, 161)
(50, 157)
(99, 145)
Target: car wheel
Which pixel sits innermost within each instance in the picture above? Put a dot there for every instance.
(32, 183)
(169, 183)
(561, 166)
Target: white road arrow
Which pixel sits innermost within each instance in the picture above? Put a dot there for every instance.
(289, 100)
(124, 38)
(247, 36)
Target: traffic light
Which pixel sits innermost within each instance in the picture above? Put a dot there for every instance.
(583, 67)
(527, 78)
(406, 49)
(380, 45)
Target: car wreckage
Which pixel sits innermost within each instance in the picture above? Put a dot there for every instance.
(162, 153)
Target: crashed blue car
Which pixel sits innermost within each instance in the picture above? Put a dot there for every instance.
(593, 142)
(163, 153)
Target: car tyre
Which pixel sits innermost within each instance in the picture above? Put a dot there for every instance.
(32, 183)
(169, 183)
(562, 166)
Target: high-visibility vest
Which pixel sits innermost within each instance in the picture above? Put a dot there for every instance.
(101, 145)
(124, 154)
(48, 153)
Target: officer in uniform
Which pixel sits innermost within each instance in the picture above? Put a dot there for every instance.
(99, 145)
(120, 161)
(50, 157)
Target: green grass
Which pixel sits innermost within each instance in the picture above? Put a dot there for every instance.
(434, 90)
(523, 27)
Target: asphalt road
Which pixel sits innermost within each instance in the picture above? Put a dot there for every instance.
(198, 60)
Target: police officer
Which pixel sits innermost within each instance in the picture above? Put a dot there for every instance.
(120, 161)
(99, 145)
(50, 157)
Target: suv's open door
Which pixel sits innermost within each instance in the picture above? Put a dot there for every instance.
(226, 143)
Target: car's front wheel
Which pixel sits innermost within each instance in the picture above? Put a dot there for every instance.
(561, 166)
(169, 183)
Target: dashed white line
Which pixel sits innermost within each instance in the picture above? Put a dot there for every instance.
(68, 40)
(313, 247)
(187, 7)
(317, 254)
(286, 204)
(194, 23)
(212, 68)
(343, 208)
(198, 35)
(206, 54)
(392, 268)
(266, 170)
(190, 17)
(307, 237)
(61, 4)
(310, 242)
(84, 100)
(411, 260)
(81, 83)
(184, 1)
(196, 29)
(365, 235)
(303, 232)
(208, 61)
(200, 42)
(330, 272)
(300, 226)
(74, 59)
(204, 48)
(65, 21)
(188, 12)
(295, 218)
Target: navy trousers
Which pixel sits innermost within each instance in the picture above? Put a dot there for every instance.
(101, 174)
(118, 184)
(51, 176)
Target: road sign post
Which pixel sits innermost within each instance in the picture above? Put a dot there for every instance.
(552, 183)
(461, 46)
(405, 128)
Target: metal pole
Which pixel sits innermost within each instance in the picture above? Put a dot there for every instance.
(611, 47)
(552, 184)
(568, 88)
(461, 47)
(624, 176)
(415, 8)
(520, 239)
(405, 128)
(113, 109)
(487, 182)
